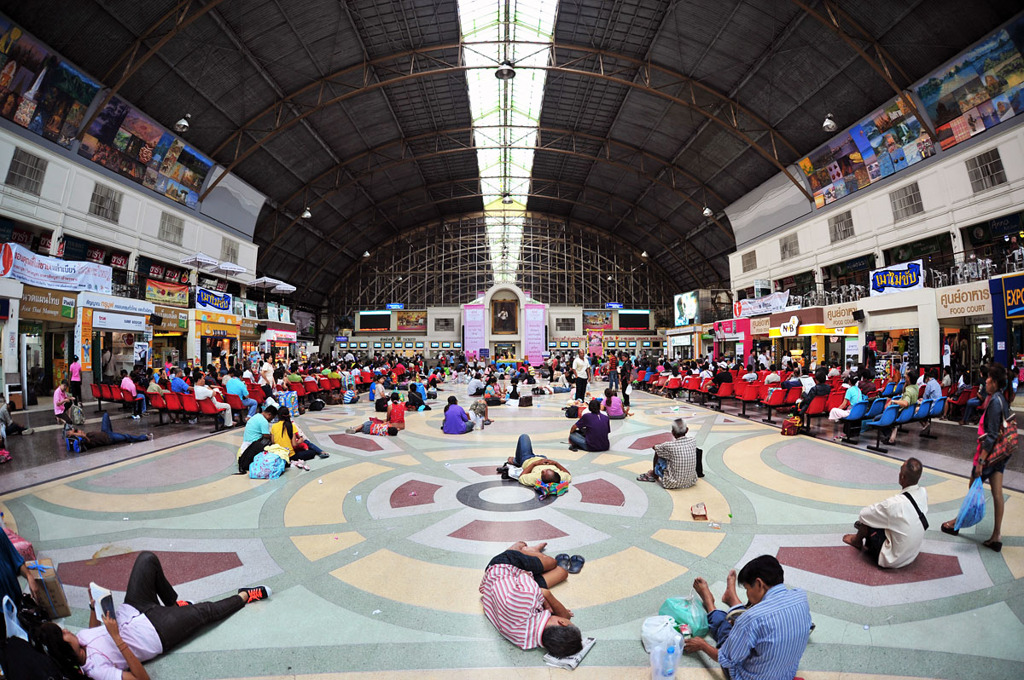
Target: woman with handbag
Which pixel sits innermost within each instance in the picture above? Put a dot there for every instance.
(994, 449)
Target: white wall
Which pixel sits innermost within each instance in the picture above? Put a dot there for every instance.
(564, 313)
(946, 195)
(63, 208)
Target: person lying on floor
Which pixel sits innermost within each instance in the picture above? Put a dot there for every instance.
(532, 470)
(152, 621)
(515, 593)
(106, 436)
(374, 427)
(678, 463)
(892, 530)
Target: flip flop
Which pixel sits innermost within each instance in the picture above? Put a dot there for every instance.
(562, 560)
(575, 564)
(946, 529)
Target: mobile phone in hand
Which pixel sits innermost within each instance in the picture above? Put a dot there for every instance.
(103, 600)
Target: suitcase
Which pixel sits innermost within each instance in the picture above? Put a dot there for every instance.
(526, 400)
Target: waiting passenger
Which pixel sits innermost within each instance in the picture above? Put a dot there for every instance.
(456, 420)
(613, 407)
(677, 464)
(105, 436)
(591, 431)
(892, 530)
(852, 397)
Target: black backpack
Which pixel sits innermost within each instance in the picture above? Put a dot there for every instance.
(317, 405)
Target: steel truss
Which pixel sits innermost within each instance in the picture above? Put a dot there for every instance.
(449, 262)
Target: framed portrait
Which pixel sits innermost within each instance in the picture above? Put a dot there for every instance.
(504, 317)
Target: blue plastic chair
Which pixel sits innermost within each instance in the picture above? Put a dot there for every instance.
(938, 406)
(923, 410)
(887, 419)
(857, 413)
(887, 390)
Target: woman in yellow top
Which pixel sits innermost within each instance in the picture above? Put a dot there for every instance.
(287, 436)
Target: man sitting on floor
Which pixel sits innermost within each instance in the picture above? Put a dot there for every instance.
(151, 622)
(677, 464)
(456, 420)
(892, 531)
(591, 431)
(720, 622)
(517, 601)
(532, 470)
(106, 436)
(769, 639)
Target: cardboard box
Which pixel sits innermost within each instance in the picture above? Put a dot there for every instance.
(54, 601)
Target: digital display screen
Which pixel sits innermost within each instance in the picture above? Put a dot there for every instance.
(446, 345)
(376, 345)
(632, 343)
(387, 345)
(374, 321)
(435, 345)
(575, 343)
(364, 345)
(563, 344)
(457, 345)
(634, 321)
(647, 343)
(419, 345)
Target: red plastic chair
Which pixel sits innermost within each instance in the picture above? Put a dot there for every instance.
(237, 407)
(174, 403)
(157, 403)
(97, 394)
(775, 398)
(725, 391)
(817, 409)
(207, 408)
(190, 406)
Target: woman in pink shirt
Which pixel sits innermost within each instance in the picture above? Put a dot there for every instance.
(61, 400)
(75, 371)
(128, 385)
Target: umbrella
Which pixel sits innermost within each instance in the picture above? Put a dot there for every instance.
(284, 288)
(199, 260)
(265, 282)
(230, 268)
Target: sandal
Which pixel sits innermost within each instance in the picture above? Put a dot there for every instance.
(646, 477)
(575, 564)
(300, 465)
(562, 560)
(993, 545)
(947, 528)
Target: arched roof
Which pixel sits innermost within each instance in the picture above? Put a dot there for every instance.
(651, 109)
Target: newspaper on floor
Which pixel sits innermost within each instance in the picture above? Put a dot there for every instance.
(570, 662)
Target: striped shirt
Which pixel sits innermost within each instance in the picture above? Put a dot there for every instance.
(514, 604)
(768, 640)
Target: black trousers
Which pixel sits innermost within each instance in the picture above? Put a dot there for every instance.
(151, 593)
(581, 388)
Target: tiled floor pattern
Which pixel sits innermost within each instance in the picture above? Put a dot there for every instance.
(376, 554)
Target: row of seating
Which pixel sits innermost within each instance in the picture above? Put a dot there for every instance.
(880, 416)
(186, 405)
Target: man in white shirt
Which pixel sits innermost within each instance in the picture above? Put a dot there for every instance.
(267, 377)
(581, 368)
(892, 531)
(762, 360)
(203, 392)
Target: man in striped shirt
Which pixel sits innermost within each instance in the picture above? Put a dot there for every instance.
(516, 599)
(768, 640)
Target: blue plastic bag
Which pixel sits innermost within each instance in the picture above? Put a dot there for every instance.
(973, 509)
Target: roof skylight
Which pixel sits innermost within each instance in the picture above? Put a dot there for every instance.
(505, 113)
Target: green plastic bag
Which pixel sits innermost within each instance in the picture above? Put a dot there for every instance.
(688, 610)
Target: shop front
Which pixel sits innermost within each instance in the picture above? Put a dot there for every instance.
(46, 325)
(111, 335)
(804, 335)
(965, 319)
(249, 335)
(731, 339)
(170, 335)
(280, 339)
(759, 339)
(683, 342)
(900, 329)
(1007, 296)
(213, 337)
(842, 348)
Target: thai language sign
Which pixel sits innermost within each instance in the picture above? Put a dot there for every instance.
(22, 264)
(533, 341)
(207, 299)
(768, 304)
(474, 329)
(898, 277)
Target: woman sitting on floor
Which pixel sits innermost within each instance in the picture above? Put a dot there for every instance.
(613, 407)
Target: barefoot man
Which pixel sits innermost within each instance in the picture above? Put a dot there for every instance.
(767, 641)
(517, 600)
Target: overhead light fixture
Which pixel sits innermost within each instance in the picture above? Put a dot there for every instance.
(505, 71)
(506, 199)
(181, 127)
(643, 254)
(366, 253)
(829, 125)
(399, 278)
(306, 214)
(707, 212)
(610, 277)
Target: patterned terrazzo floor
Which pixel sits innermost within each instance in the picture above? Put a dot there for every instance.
(376, 554)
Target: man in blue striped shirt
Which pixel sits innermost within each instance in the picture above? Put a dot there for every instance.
(767, 641)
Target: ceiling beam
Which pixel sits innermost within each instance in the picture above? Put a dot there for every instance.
(433, 61)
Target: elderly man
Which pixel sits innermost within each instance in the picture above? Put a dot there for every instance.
(517, 601)
(677, 464)
(892, 531)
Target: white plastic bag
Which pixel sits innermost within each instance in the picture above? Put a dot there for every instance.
(657, 630)
(14, 628)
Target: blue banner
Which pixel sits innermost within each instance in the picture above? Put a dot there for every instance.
(906, 276)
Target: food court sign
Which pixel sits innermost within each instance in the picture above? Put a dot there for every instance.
(899, 277)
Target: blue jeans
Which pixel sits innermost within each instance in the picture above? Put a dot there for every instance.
(560, 390)
(969, 408)
(578, 440)
(252, 405)
(613, 380)
(524, 450)
(117, 437)
(720, 626)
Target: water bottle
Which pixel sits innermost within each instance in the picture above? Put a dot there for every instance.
(670, 660)
(665, 658)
